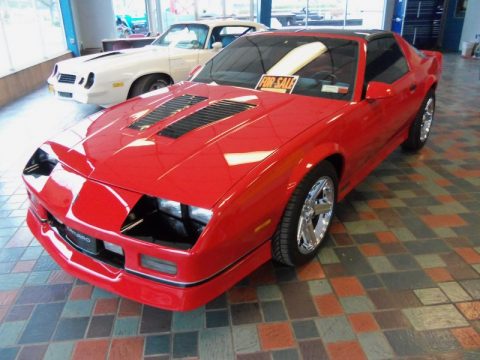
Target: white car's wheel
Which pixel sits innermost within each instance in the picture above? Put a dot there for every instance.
(149, 83)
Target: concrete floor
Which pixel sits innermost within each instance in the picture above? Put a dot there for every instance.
(399, 276)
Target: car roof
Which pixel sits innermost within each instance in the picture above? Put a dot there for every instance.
(220, 22)
(368, 35)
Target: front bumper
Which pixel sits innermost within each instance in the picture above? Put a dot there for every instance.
(139, 287)
(97, 95)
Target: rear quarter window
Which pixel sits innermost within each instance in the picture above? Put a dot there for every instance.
(385, 61)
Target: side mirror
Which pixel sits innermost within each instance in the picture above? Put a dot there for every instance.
(217, 46)
(378, 90)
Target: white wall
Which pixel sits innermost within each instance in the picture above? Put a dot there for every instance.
(471, 25)
(94, 21)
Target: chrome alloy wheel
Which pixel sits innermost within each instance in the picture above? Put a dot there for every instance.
(315, 215)
(427, 119)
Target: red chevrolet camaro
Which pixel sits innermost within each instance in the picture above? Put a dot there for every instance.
(174, 196)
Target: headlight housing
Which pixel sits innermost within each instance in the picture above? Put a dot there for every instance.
(90, 80)
(166, 222)
(42, 162)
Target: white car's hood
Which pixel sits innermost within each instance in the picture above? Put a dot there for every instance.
(117, 59)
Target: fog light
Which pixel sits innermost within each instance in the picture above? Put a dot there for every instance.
(113, 248)
(163, 266)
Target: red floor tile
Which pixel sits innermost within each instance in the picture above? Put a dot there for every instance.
(106, 306)
(451, 220)
(346, 350)
(386, 237)
(439, 274)
(60, 277)
(363, 322)
(328, 305)
(129, 348)
(310, 271)
(81, 292)
(378, 204)
(469, 255)
(8, 297)
(24, 266)
(242, 294)
(347, 286)
(275, 336)
(371, 250)
(471, 310)
(129, 308)
(467, 337)
(91, 350)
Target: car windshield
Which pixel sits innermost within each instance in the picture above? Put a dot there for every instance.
(320, 66)
(184, 36)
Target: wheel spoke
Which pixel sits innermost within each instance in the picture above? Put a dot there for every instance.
(309, 235)
(322, 208)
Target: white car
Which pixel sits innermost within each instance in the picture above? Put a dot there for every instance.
(112, 77)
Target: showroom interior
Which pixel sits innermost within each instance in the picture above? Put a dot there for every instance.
(397, 274)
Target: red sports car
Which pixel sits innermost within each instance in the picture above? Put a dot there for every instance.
(174, 196)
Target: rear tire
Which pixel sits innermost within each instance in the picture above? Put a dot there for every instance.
(307, 217)
(148, 83)
(420, 129)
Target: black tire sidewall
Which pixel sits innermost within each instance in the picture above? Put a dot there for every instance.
(144, 84)
(294, 208)
(414, 143)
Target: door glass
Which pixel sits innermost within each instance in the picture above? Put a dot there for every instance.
(385, 61)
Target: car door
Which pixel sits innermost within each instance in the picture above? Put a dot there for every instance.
(186, 44)
(375, 122)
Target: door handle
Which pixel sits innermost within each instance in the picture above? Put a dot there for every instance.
(413, 87)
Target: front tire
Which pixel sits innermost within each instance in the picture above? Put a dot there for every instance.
(148, 83)
(307, 217)
(420, 129)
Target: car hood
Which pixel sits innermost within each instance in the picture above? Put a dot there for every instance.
(115, 59)
(198, 167)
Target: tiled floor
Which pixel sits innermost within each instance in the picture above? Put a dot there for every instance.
(399, 277)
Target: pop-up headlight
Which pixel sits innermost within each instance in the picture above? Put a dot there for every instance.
(166, 222)
(42, 162)
(200, 214)
(173, 208)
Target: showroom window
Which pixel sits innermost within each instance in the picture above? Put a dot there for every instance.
(344, 14)
(31, 31)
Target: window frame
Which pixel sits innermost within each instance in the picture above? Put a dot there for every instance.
(385, 36)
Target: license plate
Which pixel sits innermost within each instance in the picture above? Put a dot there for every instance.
(51, 89)
(84, 242)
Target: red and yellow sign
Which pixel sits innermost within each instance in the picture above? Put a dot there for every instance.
(275, 83)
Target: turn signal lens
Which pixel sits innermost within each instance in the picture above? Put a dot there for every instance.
(162, 266)
(113, 248)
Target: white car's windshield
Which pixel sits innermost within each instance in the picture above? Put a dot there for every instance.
(184, 36)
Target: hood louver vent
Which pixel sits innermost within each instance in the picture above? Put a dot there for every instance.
(212, 113)
(163, 111)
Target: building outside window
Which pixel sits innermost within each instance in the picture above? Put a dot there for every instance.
(31, 31)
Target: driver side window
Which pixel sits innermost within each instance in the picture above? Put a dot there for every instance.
(227, 34)
(385, 61)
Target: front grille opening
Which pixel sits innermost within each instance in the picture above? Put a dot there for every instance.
(65, 94)
(98, 251)
(147, 223)
(67, 78)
